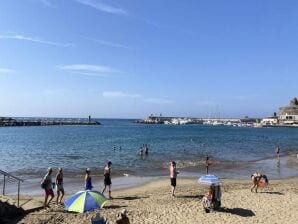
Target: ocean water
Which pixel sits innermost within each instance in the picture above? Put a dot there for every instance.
(28, 151)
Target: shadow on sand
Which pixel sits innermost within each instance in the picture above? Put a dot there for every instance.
(272, 192)
(11, 220)
(191, 196)
(238, 211)
(114, 206)
(130, 198)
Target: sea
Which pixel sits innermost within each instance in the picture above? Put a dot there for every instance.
(235, 152)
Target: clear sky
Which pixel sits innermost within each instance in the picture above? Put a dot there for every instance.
(131, 58)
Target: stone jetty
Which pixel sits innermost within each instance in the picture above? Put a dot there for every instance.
(8, 121)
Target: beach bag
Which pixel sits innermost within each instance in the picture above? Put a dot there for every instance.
(43, 185)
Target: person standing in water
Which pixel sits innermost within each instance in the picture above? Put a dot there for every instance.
(146, 150)
(107, 178)
(48, 187)
(88, 180)
(173, 177)
(141, 152)
(59, 185)
(277, 151)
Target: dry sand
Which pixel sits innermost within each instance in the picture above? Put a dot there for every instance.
(153, 203)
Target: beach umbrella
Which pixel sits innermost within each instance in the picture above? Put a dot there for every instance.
(84, 201)
(209, 180)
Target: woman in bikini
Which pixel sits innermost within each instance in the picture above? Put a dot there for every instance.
(59, 185)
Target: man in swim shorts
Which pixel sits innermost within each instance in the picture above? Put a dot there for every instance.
(173, 177)
(107, 178)
(48, 187)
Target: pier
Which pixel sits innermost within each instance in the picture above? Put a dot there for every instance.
(9, 122)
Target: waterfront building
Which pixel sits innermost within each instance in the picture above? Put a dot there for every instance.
(270, 121)
(289, 115)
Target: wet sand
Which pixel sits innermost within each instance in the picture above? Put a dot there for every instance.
(286, 167)
(153, 203)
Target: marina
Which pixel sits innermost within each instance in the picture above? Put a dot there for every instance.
(286, 117)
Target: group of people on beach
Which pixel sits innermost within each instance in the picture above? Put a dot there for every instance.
(257, 178)
(107, 179)
(49, 186)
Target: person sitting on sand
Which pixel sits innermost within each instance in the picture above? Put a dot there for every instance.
(212, 200)
(173, 176)
(256, 178)
(209, 194)
(48, 187)
(207, 200)
(107, 178)
(59, 185)
(123, 219)
(88, 180)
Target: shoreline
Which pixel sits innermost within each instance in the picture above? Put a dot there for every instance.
(287, 168)
(152, 202)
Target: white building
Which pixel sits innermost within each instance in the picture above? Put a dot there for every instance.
(289, 115)
(269, 121)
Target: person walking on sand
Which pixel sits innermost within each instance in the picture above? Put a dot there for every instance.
(48, 187)
(88, 180)
(59, 185)
(173, 177)
(207, 163)
(107, 178)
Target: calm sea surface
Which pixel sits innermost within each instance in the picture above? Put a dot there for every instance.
(28, 151)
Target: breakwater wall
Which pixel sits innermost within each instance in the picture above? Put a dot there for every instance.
(9, 122)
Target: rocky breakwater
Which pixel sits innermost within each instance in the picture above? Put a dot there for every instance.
(8, 122)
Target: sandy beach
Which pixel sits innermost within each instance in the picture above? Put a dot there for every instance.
(153, 203)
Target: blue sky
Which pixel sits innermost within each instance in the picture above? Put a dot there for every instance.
(131, 58)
